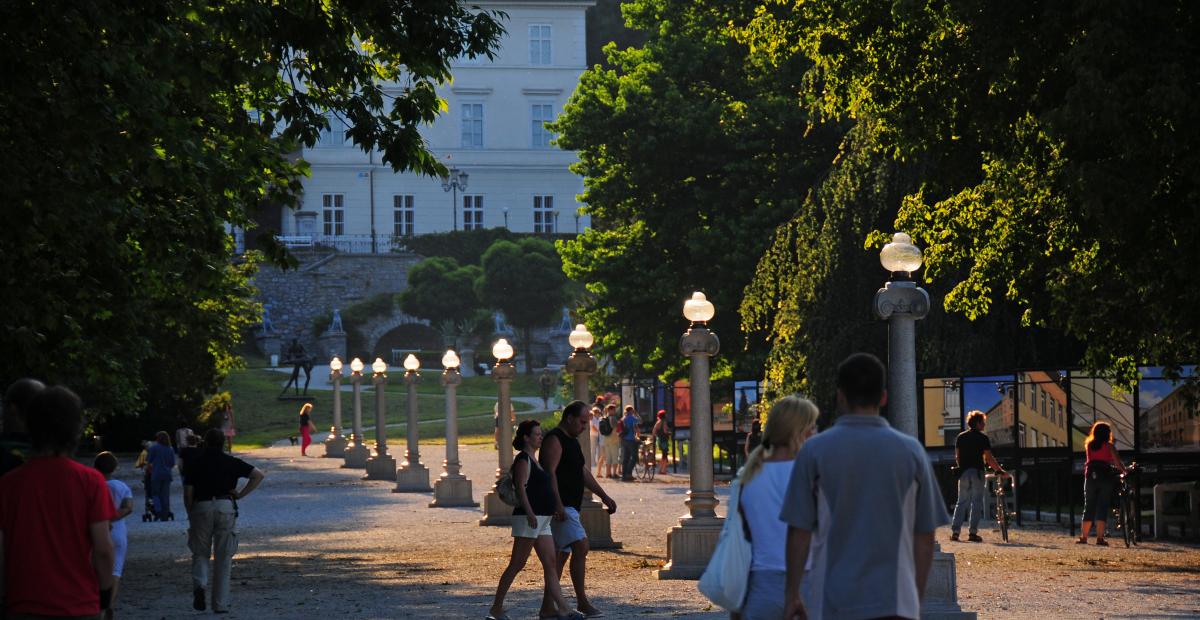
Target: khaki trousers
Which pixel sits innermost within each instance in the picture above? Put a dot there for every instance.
(212, 535)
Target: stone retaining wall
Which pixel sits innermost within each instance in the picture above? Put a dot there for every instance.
(323, 283)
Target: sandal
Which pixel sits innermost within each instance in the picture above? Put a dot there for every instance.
(1100, 542)
(1081, 541)
(574, 615)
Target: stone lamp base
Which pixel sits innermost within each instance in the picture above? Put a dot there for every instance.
(453, 492)
(495, 512)
(690, 546)
(381, 467)
(335, 446)
(412, 478)
(356, 456)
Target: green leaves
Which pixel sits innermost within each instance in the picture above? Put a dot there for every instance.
(130, 147)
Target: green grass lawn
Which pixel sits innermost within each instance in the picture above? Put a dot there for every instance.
(263, 419)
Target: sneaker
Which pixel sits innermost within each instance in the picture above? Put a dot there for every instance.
(1100, 542)
(198, 599)
(954, 536)
(974, 538)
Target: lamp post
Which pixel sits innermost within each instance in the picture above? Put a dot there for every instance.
(412, 477)
(505, 217)
(451, 489)
(496, 512)
(453, 182)
(582, 366)
(356, 453)
(335, 443)
(381, 466)
(691, 543)
(902, 303)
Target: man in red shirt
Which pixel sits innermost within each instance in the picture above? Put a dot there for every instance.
(56, 555)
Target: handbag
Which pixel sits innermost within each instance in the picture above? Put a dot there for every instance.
(727, 576)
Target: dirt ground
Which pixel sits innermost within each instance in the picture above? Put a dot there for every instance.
(317, 542)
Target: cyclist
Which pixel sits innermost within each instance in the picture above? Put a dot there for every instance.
(972, 452)
(1100, 476)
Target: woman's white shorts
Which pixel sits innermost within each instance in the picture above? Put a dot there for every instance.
(521, 529)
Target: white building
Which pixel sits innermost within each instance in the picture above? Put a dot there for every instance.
(492, 130)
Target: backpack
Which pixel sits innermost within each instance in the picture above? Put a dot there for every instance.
(606, 428)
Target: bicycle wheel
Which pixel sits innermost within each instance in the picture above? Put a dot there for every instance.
(1002, 517)
(1126, 521)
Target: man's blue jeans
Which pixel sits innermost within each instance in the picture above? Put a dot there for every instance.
(971, 494)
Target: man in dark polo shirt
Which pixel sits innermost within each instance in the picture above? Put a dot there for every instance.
(972, 450)
(210, 495)
(562, 457)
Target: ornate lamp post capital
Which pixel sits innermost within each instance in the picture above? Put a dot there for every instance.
(901, 299)
(581, 362)
(698, 340)
(451, 377)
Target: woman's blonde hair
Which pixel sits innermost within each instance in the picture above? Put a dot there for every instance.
(305, 408)
(787, 422)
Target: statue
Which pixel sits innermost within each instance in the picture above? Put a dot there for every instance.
(267, 328)
(298, 358)
(335, 326)
(546, 383)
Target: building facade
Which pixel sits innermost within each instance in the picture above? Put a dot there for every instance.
(492, 135)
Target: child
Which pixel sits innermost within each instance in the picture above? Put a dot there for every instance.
(106, 463)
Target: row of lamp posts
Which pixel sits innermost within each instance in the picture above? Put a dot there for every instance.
(691, 543)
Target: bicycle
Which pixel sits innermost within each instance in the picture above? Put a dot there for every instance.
(1000, 509)
(1126, 508)
(646, 464)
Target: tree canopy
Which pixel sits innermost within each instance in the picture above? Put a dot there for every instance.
(691, 153)
(1055, 146)
(443, 292)
(134, 135)
(525, 281)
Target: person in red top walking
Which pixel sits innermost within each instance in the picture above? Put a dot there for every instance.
(56, 555)
(1099, 480)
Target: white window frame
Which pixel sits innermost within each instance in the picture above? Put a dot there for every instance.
(403, 215)
(544, 221)
(472, 211)
(541, 45)
(335, 136)
(471, 126)
(333, 215)
(540, 135)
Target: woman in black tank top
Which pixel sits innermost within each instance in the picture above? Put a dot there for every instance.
(531, 523)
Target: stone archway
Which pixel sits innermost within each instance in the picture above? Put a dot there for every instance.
(376, 329)
(407, 336)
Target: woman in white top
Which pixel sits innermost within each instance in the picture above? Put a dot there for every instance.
(764, 482)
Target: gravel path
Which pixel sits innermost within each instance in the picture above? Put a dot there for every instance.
(318, 542)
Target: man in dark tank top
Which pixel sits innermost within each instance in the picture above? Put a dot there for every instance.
(562, 457)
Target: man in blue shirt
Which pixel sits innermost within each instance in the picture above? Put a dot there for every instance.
(630, 437)
(863, 499)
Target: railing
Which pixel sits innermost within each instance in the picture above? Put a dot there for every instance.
(346, 244)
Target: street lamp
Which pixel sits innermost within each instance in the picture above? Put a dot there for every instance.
(335, 443)
(412, 475)
(505, 217)
(451, 489)
(381, 466)
(454, 182)
(690, 544)
(582, 366)
(356, 453)
(496, 512)
(902, 303)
